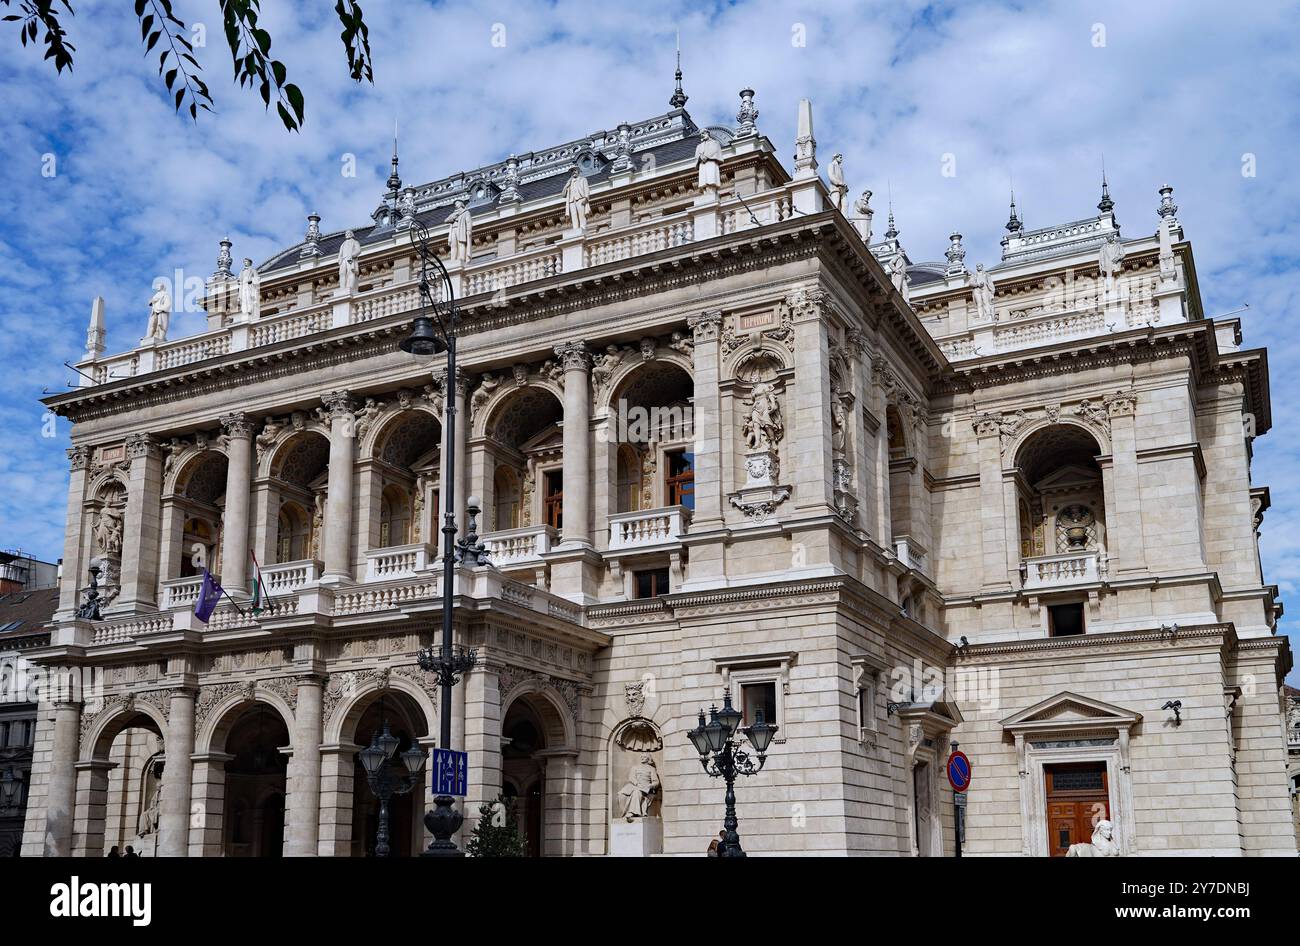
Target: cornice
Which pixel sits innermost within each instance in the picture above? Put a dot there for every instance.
(1223, 636)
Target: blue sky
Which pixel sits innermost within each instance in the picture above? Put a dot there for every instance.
(1035, 92)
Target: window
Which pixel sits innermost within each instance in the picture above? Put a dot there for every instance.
(629, 479)
(651, 583)
(553, 498)
(867, 706)
(505, 486)
(394, 517)
(1065, 620)
(758, 698)
(292, 528)
(679, 487)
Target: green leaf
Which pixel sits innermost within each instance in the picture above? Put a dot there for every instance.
(294, 94)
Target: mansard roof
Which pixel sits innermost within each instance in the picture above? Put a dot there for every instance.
(666, 139)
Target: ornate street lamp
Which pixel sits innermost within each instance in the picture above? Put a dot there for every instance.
(724, 756)
(375, 759)
(434, 330)
(10, 785)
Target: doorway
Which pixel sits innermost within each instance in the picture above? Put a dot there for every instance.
(1078, 796)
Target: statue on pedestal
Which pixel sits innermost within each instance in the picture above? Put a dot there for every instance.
(460, 236)
(763, 428)
(349, 265)
(839, 189)
(708, 158)
(250, 292)
(639, 791)
(160, 313)
(577, 200)
(984, 292)
(862, 207)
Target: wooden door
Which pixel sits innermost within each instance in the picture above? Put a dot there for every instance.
(1078, 796)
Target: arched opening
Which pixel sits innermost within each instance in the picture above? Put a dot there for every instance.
(298, 483)
(523, 775)
(200, 498)
(524, 452)
(902, 465)
(255, 783)
(407, 723)
(127, 767)
(405, 472)
(655, 460)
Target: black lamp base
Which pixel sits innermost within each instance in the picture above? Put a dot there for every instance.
(443, 821)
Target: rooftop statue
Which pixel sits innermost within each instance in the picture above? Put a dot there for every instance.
(839, 190)
(984, 292)
(708, 157)
(862, 207)
(250, 292)
(160, 313)
(349, 265)
(577, 200)
(461, 234)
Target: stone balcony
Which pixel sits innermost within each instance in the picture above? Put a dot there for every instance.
(401, 561)
(648, 529)
(1061, 571)
(519, 548)
(909, 553)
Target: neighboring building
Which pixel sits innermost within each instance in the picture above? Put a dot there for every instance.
(723, 438)
(24, 626)
(20, 572)
(1293, 752)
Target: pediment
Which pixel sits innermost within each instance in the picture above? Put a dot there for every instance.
(942, 714)
(1068, 710)
(1067, 477)
(552, 438)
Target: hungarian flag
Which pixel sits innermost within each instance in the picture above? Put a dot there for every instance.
(210, 593)
(261, 597)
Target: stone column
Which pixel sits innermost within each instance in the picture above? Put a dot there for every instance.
(1125, 531)
(178, 776)
(74, 564)
(208, 797)
(446, 501)
(234, 520)
(577, 443)
(304, 800)
(91, 807)
(142, 524)
(707, 371)
(993, 517)
(336, 548)
(61, 795)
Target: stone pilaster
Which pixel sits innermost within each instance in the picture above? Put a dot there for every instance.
(707, 371)
(992, 513)
(337, 547)
(234, 520)
(178, 775)
(1126, 527)
(74, 563)
(142, 526)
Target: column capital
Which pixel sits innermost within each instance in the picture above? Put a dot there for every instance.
(142, 445)
(706, 325)
(237, 424)
(339, 404)
(79, 457)
(987, 425)
(1121, 403)
(573, 356)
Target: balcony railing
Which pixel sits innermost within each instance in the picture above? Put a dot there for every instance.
(1056, 571)
(648, 237)
(402, 561)
(910, 555)
(288, 577)
(649, 528)
(181, 592)
(513, 547)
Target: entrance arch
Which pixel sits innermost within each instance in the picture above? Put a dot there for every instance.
(118, 777)
(256, 784)
(407, 721)
(537, 749)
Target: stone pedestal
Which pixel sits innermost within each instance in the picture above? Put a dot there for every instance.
(640, 837)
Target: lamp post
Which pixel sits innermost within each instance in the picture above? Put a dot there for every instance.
(723, 756)
(375, 760)
(433, 330)
(10, 784)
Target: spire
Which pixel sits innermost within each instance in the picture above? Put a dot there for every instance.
(95, 331)
(679, 97)
(805, 145)
(892, 232)
(394, 179)
(1105, 205)
(1013, 222)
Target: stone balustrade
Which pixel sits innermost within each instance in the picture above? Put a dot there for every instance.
(402, 561)
(648, 528)
(289, 577)
(181, 592)
(649, 236)
(910, 555)
(515, 547)
(1059, 571)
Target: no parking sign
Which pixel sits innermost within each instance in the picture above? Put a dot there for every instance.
(959, 771)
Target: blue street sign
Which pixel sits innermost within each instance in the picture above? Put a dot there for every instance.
(450, 772)
(959, 771)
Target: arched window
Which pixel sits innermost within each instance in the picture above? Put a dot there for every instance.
(198, 547)
(394, 517)
(629, 479)
(505, 492)
(293, 533)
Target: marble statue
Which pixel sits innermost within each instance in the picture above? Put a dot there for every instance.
(763, 428)
(1103, 843)
(88, 610)
(152, 813)
(604, 365)
(160, 313)
(367, 415)
(639, 791)
(250, 291)
(266, 439)
(577, 200)
(839, 189)
(862, 222)
(1111, 262)
(898, 276)
(483, 393)
(984, 292)
(417, 506)
(461, 233)
(349, 265)
(708, 157)
(108, 530)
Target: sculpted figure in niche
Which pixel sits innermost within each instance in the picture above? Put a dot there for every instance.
(763, 428)
(1103, 843)
(577, 200)
(461, 234)
(160, 313)
(149, 820)
(349, 264)
(108, 530)
(708, 158)
(639, 791)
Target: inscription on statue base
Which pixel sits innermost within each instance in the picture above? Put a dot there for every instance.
(640, 837)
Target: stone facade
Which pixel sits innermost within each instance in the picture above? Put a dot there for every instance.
(721, 440)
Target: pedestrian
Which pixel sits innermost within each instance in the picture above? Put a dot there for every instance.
(114, 852)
